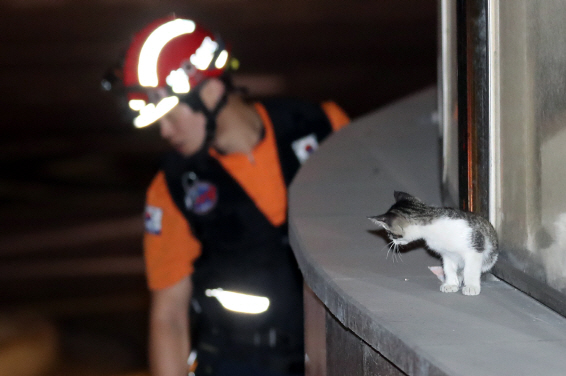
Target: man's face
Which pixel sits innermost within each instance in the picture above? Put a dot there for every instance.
(184, 129)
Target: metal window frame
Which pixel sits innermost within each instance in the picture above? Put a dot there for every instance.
(478, 131)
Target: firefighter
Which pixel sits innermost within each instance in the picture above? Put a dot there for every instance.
(224, 284)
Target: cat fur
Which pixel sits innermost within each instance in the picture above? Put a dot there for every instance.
(466, 242)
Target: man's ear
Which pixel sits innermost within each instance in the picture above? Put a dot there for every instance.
(383, 220)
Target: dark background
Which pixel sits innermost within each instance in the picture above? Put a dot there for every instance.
(73, 172)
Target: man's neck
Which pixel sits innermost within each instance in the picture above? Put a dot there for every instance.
(239, 127)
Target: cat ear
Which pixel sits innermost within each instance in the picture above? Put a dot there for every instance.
(399, 196)
(383, 220)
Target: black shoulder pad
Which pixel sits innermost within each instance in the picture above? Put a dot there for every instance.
(294, 119)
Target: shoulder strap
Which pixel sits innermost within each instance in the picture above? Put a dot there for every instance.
(292, 120)
(175, 166)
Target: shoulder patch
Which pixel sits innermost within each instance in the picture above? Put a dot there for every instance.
(304, 147)
(152, 218)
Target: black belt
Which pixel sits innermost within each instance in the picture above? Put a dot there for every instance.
(272, 338)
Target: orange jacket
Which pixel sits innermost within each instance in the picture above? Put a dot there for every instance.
(170, 247)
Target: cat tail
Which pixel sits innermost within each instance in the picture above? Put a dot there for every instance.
(489, 262)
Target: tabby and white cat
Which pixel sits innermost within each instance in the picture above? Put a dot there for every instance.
(466, 241)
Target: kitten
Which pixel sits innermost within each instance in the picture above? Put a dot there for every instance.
(466, 241)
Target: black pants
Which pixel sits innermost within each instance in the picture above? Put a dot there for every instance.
(243, 359)
(228, 367)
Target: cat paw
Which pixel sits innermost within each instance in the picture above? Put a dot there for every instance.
(448, 288)
(471, 290)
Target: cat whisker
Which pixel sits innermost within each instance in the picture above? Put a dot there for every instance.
(394, 252)
(397, 253)
(390, 244)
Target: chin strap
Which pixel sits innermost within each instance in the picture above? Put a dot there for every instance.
(211, 117)
(195, 102)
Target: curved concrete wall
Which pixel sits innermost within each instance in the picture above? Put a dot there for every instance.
(391, 309)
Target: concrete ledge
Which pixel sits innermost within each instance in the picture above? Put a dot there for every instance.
(396, 307)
